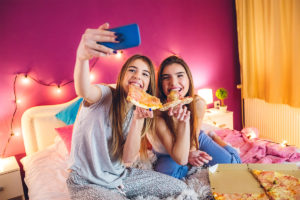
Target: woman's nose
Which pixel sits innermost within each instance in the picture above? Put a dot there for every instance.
(173, 81)
(137, 76)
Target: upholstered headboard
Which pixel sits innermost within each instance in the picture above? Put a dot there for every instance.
(38, 126)
(39, 123)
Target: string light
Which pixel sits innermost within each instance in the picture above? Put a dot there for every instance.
(119, 54)
(16, 133)
(251, 135)
(283, 143)
(58, 90)
(92, 77)
(25, 80)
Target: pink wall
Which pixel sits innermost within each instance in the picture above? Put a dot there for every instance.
(41, 37)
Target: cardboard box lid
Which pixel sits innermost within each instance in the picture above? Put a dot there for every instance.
(237, 178)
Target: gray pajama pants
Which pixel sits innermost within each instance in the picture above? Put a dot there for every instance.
(137, 183)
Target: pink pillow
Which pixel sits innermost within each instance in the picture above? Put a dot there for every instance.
(65, 133)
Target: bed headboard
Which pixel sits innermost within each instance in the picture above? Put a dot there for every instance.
(38, 126)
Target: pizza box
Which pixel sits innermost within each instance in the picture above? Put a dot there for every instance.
(237, 178)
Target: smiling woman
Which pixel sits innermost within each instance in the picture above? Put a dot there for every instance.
(178, 139)
(108, 130)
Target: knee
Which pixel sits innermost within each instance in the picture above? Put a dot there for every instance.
(167, 165)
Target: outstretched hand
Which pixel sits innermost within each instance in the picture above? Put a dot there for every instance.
(88, 47)
(198, 158)
(142, 113)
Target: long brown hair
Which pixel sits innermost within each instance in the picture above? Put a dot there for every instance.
(118, 110)
(192, 106)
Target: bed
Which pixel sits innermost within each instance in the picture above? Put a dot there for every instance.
(45, 164)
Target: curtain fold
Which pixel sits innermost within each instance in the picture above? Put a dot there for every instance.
(269, 50)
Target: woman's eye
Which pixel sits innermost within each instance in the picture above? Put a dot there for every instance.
(165, 77)
(131, 70)
(180, 75)
(145, 74)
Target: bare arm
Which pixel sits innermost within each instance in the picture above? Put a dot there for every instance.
(87, 49)
(133, 140)
(176, 144)
(197, 157)
(200, 109)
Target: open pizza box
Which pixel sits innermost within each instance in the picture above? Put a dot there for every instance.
(237, 178)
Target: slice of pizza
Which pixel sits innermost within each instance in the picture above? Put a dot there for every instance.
(278, 186)
(142, 99)
(236, 196)
(173, 100)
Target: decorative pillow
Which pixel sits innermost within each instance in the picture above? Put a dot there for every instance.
(68, 115)
(65, 133)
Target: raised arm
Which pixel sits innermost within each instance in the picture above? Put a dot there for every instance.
(87, 49)
(177, 144)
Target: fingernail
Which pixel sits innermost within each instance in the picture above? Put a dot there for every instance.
(115, 52)
(117, 39)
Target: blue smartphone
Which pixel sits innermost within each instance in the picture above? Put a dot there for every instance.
(129, 36)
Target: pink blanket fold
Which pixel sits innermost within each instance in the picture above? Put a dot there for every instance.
(271, 159)
(278, 150)
(256, 152)
(295, 157)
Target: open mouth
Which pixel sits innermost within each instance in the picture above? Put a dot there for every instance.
(136, 84)
(175, 88)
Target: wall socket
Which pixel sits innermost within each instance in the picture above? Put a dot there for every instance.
(217, 104)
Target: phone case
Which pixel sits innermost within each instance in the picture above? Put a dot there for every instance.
(128, 35)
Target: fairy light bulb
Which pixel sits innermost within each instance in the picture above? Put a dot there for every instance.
(58, 90)
(119, 54)
(18, 101)
(283, 143)
(92, 77)
(25, 79)
(16, 133)
(251, 135)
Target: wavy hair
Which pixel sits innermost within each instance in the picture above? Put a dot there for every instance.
(192, 106)
(118, 110)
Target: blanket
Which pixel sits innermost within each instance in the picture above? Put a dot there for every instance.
(255, 150)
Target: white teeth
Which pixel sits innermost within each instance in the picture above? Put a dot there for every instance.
(178, 89)
(136, 84)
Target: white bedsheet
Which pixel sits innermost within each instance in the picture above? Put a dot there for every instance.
(46, 173)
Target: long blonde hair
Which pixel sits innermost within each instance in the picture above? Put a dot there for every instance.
(118, 110)
(192, 106)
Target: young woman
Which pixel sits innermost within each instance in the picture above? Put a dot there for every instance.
(178, 140)
(108, 130)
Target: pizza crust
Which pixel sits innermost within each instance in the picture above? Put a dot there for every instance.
(174, 103)
(142, 105)
(244, 196)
